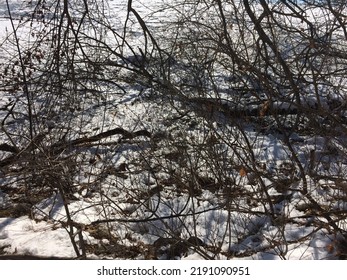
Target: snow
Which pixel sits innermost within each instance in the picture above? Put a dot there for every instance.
(126, 205)
(25, 237)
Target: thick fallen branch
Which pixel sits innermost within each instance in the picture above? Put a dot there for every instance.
(262, 108)
(57, 148)
(8, 148)
(116, 131)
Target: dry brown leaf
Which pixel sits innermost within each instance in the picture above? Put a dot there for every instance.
(243, 172)
(264, 108)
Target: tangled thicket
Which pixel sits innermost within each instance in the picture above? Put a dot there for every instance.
(219, 129)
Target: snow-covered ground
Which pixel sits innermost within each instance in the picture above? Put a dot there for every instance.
(162, 192)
